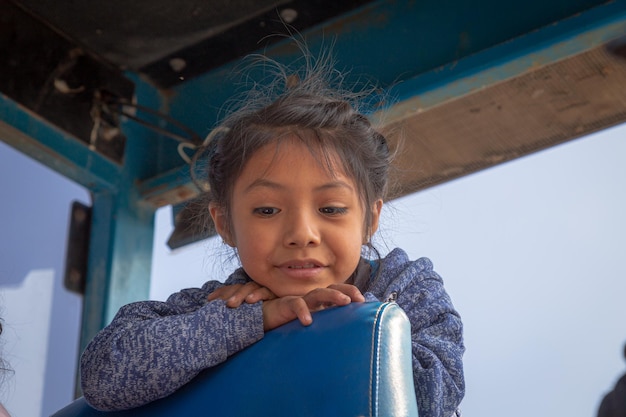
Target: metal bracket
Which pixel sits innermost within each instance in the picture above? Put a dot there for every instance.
(77, 248)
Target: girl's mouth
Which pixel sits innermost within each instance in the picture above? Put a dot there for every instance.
(305, 269)
(305, 266)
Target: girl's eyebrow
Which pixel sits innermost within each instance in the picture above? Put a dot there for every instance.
(334, 184)
(265, 183)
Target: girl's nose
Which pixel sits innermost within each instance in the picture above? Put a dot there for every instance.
(301, 231)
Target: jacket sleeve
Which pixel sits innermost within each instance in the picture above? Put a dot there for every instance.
(152, 348)
(436, 337)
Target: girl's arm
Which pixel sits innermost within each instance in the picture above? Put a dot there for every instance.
(152, 348)
(437, 339)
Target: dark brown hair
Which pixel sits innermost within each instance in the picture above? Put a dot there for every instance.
(324, 118)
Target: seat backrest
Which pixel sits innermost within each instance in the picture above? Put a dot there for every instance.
(352, 361)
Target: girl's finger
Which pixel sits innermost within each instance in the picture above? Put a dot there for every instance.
(223, 293)
(241, 293)
(321, 298)
(301, 310)
(350, 290)
(260, 294)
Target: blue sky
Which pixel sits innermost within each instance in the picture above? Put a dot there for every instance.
(532, 253)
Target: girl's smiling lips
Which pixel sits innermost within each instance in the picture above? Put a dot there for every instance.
(301, 269)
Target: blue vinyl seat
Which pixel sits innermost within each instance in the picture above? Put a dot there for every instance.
(352, 361)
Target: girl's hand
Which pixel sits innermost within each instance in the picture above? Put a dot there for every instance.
(279, 311)
(236, 294)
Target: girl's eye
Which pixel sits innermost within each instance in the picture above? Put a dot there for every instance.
(266, 211)
(333, 211)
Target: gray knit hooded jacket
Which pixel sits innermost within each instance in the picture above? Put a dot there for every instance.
(152, 348)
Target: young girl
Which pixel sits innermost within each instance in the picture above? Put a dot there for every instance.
(296, 188)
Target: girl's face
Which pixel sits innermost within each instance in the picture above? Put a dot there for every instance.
(296, 227)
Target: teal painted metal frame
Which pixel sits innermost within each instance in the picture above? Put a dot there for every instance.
(197, 103)
(420, 53)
